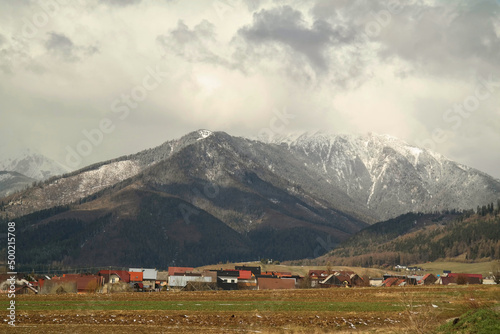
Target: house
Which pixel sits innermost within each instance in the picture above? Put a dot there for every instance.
(255, 270)
(179, 270)
(115, 276)
(247, 280)
(428, 279)
(316, 276)
(227, 279)
(394, 281)
(268, 283)
(148, 278)
(455, 278)
(342, 279)
(147, 274)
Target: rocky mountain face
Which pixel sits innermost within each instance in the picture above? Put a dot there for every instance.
(32, 165)
(21, 170)
(211, 197)
(389, 177)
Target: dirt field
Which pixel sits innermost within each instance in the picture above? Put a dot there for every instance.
(371, 310)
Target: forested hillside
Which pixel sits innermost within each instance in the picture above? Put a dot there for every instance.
(417, 238)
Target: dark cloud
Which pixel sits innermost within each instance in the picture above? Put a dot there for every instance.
(288, 27)
(62, 47)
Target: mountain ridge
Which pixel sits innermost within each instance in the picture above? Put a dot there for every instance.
(275, 200)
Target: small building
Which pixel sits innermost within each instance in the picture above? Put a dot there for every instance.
(147, 274)
(342, 279)
(394, 281)
(227, 279)
(428, 279)
(268, 283)
(148, 278)
(456, 278)
(115, 276)
(162, 279)
(255, 270)
(316, 276)
(376, 281)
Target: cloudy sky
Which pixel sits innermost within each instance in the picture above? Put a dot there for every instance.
(107, 78)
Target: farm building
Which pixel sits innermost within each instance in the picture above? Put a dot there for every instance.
(428, 279)
(181, 280)
(268, 283)
(455, 278)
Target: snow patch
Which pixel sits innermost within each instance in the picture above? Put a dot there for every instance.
(204, 134)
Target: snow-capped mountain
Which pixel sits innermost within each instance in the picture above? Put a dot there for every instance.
(279, 199)
(371, 177)
(388, 176)
(31, 164)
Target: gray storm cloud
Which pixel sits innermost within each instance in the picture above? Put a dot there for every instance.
(424, 71)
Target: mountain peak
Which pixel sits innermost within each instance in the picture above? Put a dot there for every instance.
(32, 164)
(204, 133)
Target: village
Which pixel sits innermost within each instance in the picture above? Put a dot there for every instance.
(242, 277)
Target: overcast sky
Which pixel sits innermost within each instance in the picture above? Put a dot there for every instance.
(133, 74)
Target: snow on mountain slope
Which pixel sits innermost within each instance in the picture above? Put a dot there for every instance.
(69, 189)
(389, 176)
(32, 165)
(370, 177)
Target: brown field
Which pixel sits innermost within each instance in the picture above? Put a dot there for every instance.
(364, 310)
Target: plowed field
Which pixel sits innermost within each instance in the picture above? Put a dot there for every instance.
(370, 310)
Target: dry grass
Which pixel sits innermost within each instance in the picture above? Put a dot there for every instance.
(365, 310)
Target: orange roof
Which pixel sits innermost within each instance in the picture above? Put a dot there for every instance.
(136, 276)
(245, 274)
